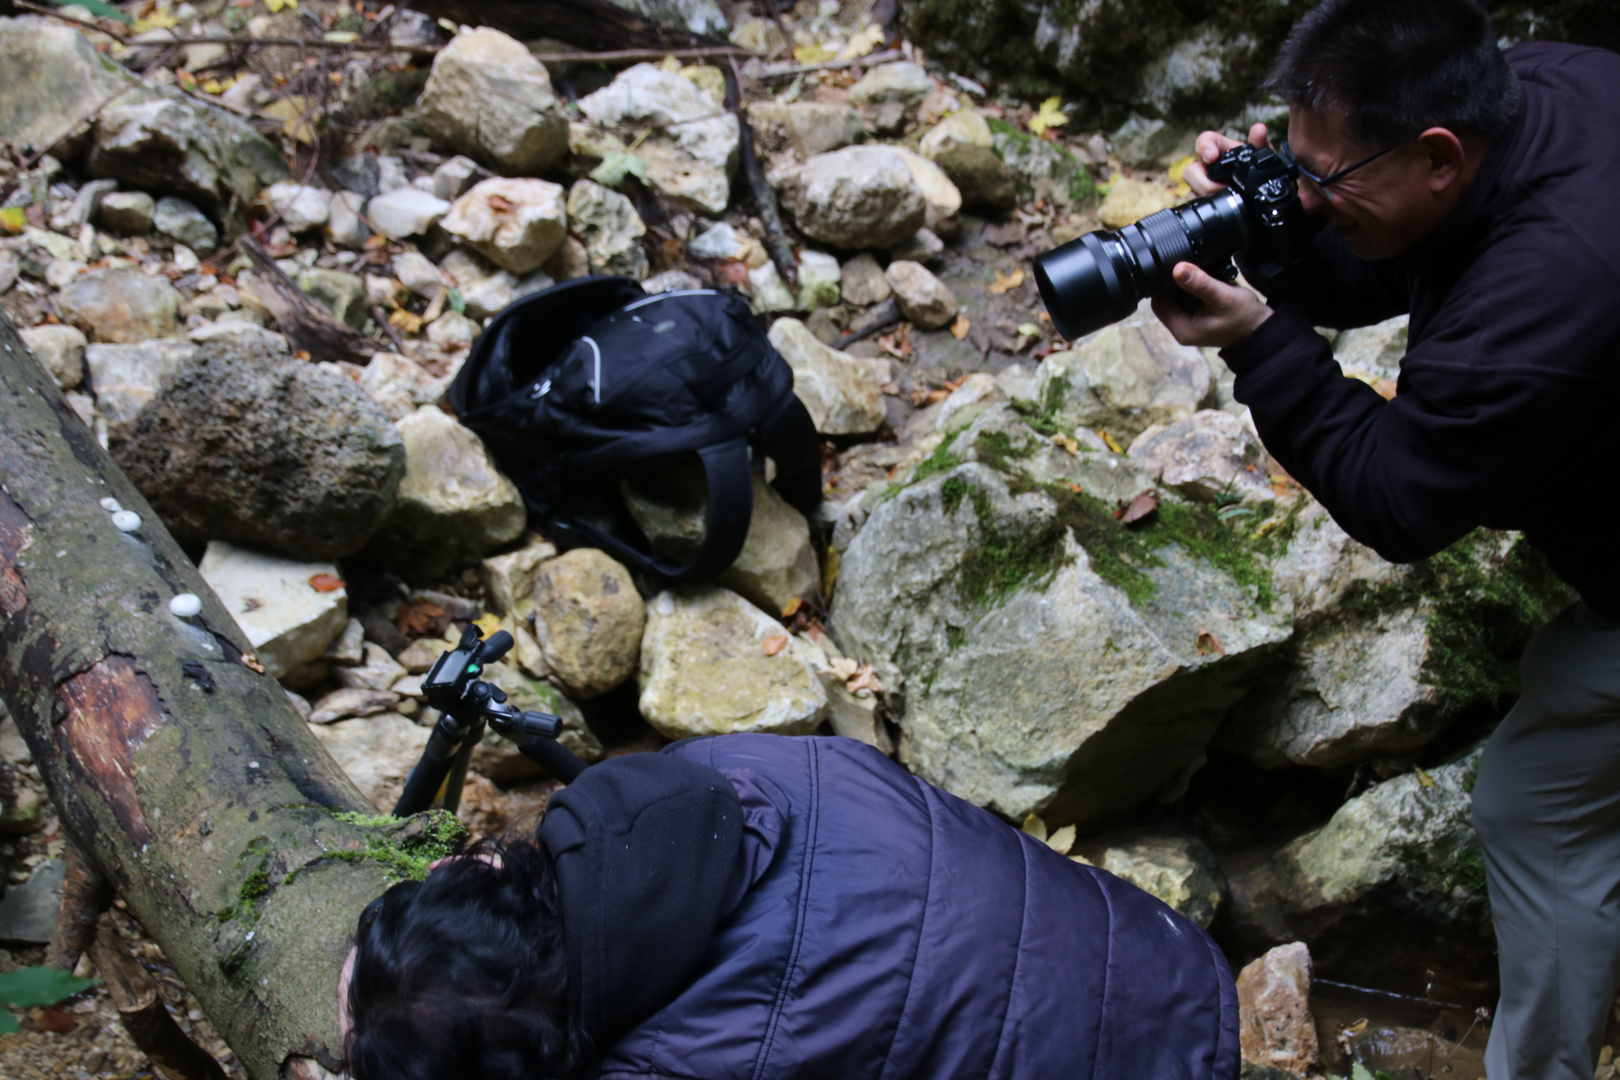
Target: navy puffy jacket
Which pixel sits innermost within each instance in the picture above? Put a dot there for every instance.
(872, 928)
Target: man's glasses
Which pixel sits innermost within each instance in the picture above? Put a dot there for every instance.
(1322, 182)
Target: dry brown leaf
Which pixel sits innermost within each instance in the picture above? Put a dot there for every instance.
(774, 645)
(252, 663)
(865, 679)
(418, 617)
(1073, 487)
(960, 328)
(1209, 645)
(1140, 507)
(326, 583)
(407, 321)
(503, 205)
(792, 607)
(1005, 283)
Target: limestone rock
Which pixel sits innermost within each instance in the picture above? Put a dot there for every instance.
(1275, 1026)
(922, 297)
(259, 449)
(485, 288)
(923, 246)
(1129, 201)
(1047, 658)
(509, 579)
(452, 331)
(941, 197)
(804, 128)
(1178, 869)
(377, 671)
(1204, 456)
(120, 306)
(610, 228)
(125, 377)
(862, 283)
(671, 280)
(343, 294)
(453, 505)
(961, 145)
(489, 98)
(977, 392)
(898, 81)
(515, 224)
(348, 648)
(60, 349)
(588, 620)
(417, 273)
(301, 208)
(287, 620)
(819, 277)
(705, 670)
(778, 562)
(343, 225)
(127, 213)
(54, 78)
(405, 212)
(1042, 169)
(697, 16)
(350, 702)
(1373, 350)
(857, 197)
(452, 179)
(399, 385)
(377, 753)
(841, 392)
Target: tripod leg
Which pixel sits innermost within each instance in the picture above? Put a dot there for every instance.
(429, 775)
(458, 769)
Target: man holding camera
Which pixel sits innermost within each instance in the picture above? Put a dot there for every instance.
(1473, 190)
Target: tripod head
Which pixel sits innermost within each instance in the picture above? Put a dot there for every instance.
(468, 703)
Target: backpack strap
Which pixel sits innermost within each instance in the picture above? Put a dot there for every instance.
(731, 507)
(789, 437)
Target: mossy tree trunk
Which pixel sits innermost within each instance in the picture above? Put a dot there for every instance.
(177, 766)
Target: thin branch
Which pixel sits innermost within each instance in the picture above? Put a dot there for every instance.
(870, 60)
(770, 217)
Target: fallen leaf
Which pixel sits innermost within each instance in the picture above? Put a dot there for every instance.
(406, 321)
(54, 1020)
(730, 271)
(1109, 439)
(842, 667)
(1179, 169)
(792, 607)
(326, 583)
(1034, 826)
(504, 205)
(487, 623)
(212, 86)
(1423, 778)
(864, 42)
(1069, 443)
(1062, 840)
(898, 343)
(13, 220)
(186, 79)
(1049, 116)
(290, 111)
(1073, 487)
(1209, 645)
(1385, 388)
(618, 164)
(774, 645)
(341, 37)
(1140, 507)
(418, 617)
(814, 53)
(960, 328)
(865, 678)
(1005, 283)
(277, 5)
(301, 354)
(252, 663)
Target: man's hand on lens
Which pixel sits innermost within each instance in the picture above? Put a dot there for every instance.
(1227, 313)
(1211, 145)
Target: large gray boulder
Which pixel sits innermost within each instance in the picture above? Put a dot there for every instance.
(1042, 656)
(245, 445)
(489, 98)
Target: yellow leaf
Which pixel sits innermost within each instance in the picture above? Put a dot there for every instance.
(1062, 840)
(1034, 826)
(277, 5)
(1423, 778)
(185, 78)
(290, 111)
(1179, 169)
(404, 320)
(1050, 116)
(1068, 443)
(1006, 282)
(960, 328)
(487, 623)
(1109, 439)
(449, 27)
(864, 42)
(340, 37)
(13, 220)
(211, 86)
(813, 53)
(1028, 329)
(156, 21)
(670, 63)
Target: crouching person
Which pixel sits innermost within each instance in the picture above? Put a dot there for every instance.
(751, 906)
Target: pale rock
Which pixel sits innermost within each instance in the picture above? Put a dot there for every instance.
(696, 16)
(1178, 869)
(1373, 350)
(376, 671)
(352, 701)
(120, 306)
(509, 578)
(125, 377)
(841, 392)
(922, 247)
(486, 289)
(1275, 1025)
(922, 297)
(778, 562)
(452, 331)
(857, 197)
(704, 670)
(376, 752)
(942, 197)
(343, 225)
(611, 230)
(588, 621)
(183, 259)
(977, 392)
(570, 262)
(301, 208)
(804, 128)
(399, 385)
(421, 654)
(962, 146)
(391, 175)
(300, 704)
(417, 273)
(526, 652)
(287, 621)
(1017, 382)
(819, 275)
(453, 505)
(240, 336)
(61, 272)
(897, 81)
(966, 128)
(520, 234)
(9, 270)
(127, 213)
(1144, 143)
(862, 282)
(452, 179)
(341, 293)
(672, 280)
(719, 241)
(1207, 455)
(1129, 201)
(405, 212)
(60, 349)
(488, 97)
(83, 206)
(348, 648)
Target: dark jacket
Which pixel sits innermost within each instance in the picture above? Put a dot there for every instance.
(1508, 398)
(864, 925)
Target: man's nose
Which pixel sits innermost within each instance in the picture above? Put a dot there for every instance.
(1312, 199)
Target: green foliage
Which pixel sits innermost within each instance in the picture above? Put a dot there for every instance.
(1205, 536)
(27, 987)
(940, 461)
(99, 8)
(457, 302)
(619, 164)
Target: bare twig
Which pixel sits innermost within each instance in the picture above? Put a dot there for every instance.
(776, 241)
(870, 60)
(135, 994)
(882, 317)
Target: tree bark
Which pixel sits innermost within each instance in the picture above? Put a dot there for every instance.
(177, 766)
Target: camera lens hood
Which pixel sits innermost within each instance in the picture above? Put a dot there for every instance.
(1082, 285)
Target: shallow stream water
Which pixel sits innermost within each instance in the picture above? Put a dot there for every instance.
(1405, 1038)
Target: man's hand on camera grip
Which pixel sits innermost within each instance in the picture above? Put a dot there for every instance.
(1227, 313)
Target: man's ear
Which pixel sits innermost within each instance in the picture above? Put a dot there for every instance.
(1446, 156)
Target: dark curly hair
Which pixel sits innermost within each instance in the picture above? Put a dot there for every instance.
(466, 975)
(1397, 67)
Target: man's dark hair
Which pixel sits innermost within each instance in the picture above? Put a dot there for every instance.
(466, 974)
(1397, 67)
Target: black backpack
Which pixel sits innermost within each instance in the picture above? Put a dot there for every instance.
(592, 380)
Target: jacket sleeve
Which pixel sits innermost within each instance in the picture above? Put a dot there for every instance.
(1506, 376)
(1332, 287)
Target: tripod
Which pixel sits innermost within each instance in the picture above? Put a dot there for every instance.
(468, 704)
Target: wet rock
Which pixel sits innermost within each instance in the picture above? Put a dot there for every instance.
(377, 752)
(498, 758)
(249, 446)
(610, 228)
(922, 297)
(489, 98)
(959, 586)
(399, 385)
(692, 150)
(125, 377)
(861, 282)
(287, 620)
(485, 288)
(343, 294)
(778, 562)
(943, 200)
(857, 197)
(120, 306)
(351, 702)
(453, 506)
(1041, 169)
(898, 81)
(1275, 1026)
(1206, 456)
(515, 224)
(405, 212)
(301, 208)
(1129, 201)
(28, 912)
(804, 128)
(1125, 377)
(509, 578)
(705, 669)
(377, 670)
(588, 620)
(1178, 869)
(60, 349)
(1144, 143)
(841, 392)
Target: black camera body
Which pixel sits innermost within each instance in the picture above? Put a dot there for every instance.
(1100, 278)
